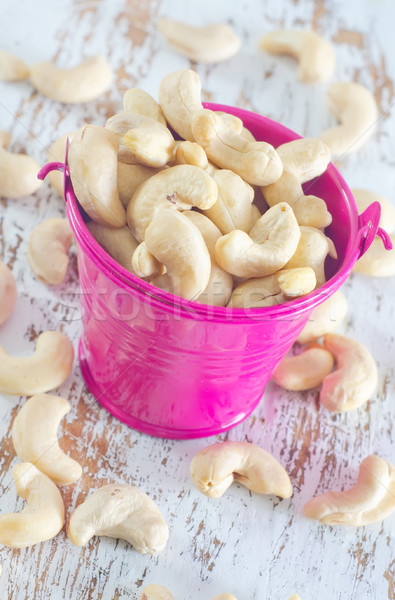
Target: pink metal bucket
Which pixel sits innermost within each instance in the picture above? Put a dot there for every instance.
(178, 369)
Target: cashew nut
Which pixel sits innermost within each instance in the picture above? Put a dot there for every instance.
(225, 596)
(82, 83)
(232, 210)
(5, 139)
(46, 369)
(129, 178)
(255, 215)
(256, 162)
(8, 292)
(92, 160)
(151, 146)
(355, 107)
(370, 500)
(118, 243)
(354, 379)
(43, 516)
(182, 187)
(304, 371)
(312, 250)
(140, 102)
(12, 68)
(156, 592)
(269, 246)
(48, 248)
(18, 172)
(124, 121)
(178, 245)
(315, 54)
(207, 44)
(273, 289)
(57, 152)
(145, 264)
(326, 317)
(188, 153)
(34, 436)
(214, 469)
(302, 159)
(119, 511)
(179, 99)
(364, 198)
(219, 287)
(377, 261)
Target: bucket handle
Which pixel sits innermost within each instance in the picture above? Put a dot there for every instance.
(368, 228)
(63, 167)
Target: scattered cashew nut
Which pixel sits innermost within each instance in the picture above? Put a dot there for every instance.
(82, 83)
(214, 469)
(305, 370)
(256, 162)
(303, 159)
(370, 500)
(119, 511)
(326, 317)
(118, 243)
(92, 160)
(178, 245)
(156, 592)
(207, 44)
(43, 516)
(48, 248)
(18, 172)
(354, 379)
(269, 246)
(46, 369)
(312, 250)
(35, 440)
(139, 102)
(219, 287)
(179, 99)
(12, 68)
(273, 289)
(181, 187)
(315, 54)
(8, 292)
(355, 107)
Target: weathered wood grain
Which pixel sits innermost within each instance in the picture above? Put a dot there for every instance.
(251, 546)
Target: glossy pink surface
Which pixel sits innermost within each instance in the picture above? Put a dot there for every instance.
(178, 369)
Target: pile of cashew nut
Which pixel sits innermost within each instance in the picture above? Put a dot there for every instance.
(188, 215)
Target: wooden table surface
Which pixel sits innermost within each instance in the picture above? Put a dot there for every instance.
(252, 546)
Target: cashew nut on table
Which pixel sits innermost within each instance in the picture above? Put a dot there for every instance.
(316, 55)
(12, 68)
(119, 511)
(18, 172)
(216, 467)
(355, 108)
(46, 369)
(48, 248)
(371, 499)
(325, 318)
(354, 379)
(84, 82)
(43, 516)
(35, 440)
(206, 44)
(304, 371)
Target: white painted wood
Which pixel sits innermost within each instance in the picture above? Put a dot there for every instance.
(251, 546)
